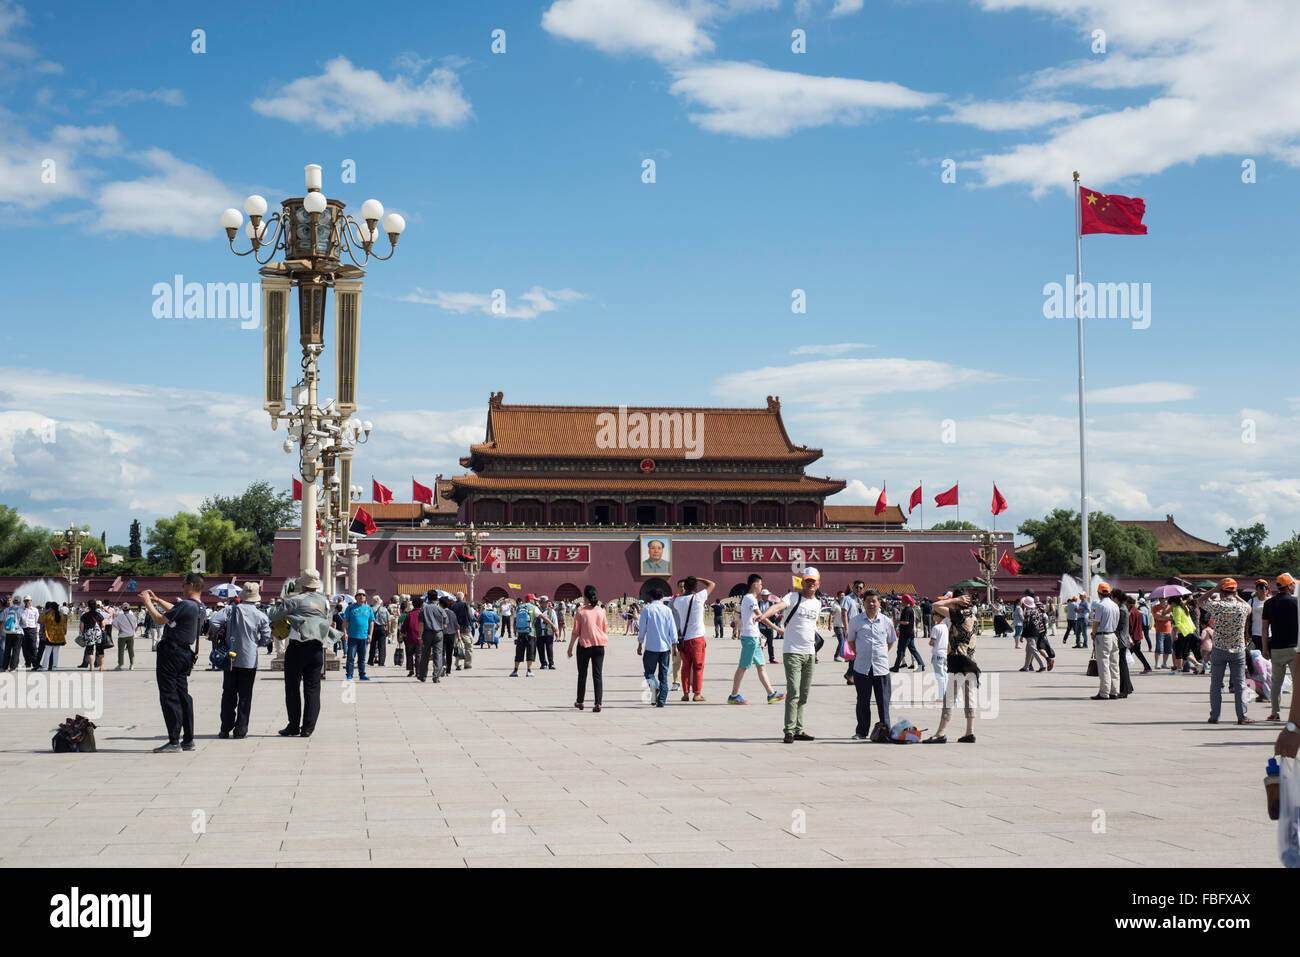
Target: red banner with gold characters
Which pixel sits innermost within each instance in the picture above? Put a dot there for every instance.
(812, 554)
(563, 553)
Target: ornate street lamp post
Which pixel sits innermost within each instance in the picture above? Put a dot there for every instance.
(472, 540)
(70, 560)
(314, 234)
(989, 553)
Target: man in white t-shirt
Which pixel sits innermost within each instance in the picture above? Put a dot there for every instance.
(795, 616)
(939, 648)
(507, 610)
(751, 646)
(688, 609)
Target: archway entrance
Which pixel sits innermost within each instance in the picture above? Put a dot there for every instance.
(737, 591)
(495, 594)
(646, 586)
(567, 592)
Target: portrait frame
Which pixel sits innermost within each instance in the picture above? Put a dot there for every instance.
(655, 567)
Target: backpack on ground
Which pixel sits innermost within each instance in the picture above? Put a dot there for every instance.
(879, 733)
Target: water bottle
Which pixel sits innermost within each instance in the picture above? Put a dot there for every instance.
(1288, 835)
(1272, 788)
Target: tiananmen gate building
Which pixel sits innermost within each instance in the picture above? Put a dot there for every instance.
(625, 497)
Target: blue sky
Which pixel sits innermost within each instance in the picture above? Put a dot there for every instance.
(775, 171)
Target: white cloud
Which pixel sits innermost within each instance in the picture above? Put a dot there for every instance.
(844, 383)
(12, 18)
(752, 100)
(537, 301)
(655, 28)
(155, 450)
(24, 180)
(1013, 114)
(169, 97)
(830, 349)
(182, 200)
(842, 8)
(1141, 392)
(346, 97)
(1226, 79)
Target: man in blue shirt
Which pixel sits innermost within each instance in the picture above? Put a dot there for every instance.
(360, 621)
(656, 636)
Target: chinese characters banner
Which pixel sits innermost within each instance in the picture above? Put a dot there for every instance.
(813, 554)
(563, 554)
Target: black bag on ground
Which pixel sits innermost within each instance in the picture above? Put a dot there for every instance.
(75, 734)
(397, 655)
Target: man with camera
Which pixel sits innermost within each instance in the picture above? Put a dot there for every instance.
(177, 651)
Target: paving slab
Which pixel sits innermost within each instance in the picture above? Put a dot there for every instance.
(483, 770)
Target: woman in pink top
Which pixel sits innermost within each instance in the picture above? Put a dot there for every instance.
(589, 636)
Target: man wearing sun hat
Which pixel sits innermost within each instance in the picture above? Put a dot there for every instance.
(1106, 644)
(247, 629)
(1231, 616)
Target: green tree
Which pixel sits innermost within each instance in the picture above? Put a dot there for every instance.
(21, 547)
(1130, 549)
(1248, 543)
(135, 552)
(1285, 556)
(261, 510)
(172, 541)
(952, 525)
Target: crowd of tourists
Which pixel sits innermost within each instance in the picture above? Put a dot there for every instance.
(1248, 638)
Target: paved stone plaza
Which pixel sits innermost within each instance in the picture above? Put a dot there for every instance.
(483, 770)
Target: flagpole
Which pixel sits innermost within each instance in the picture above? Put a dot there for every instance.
(1083, 399)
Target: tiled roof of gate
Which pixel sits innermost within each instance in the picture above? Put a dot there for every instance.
(571, 431)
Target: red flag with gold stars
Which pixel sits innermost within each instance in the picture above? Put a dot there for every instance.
(1103, 213)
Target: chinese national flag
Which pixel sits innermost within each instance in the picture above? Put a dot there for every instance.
(362, 523)
(297, 490)
(90, 561)
(1008, 562)
(914, 501)
(999, 503)
(421, 493)
(880, 502)
(946, 498)
(1100, 213)
(381, 495)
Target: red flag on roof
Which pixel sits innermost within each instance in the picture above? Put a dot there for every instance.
(880, 502)
(999, 503)
(915, 500)
(1008, 561)
(362, 523)
(381, 494)
(946, 498)
(421, 493)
